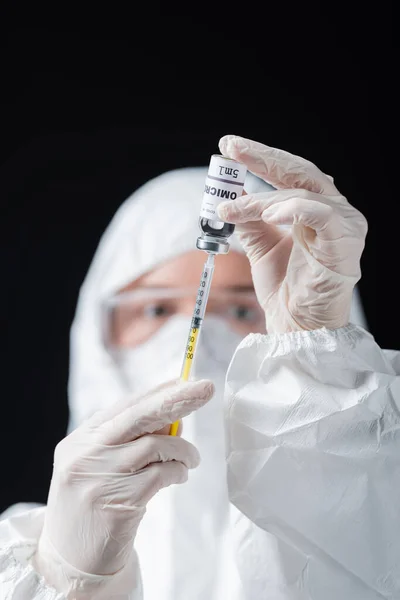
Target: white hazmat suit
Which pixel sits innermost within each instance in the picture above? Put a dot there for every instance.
(297, 494)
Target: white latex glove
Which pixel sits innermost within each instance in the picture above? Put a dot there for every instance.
(304, 278)
(104, 474)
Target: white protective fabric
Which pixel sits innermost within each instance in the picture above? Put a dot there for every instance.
(19, 580)
(313, 443)
(145, 366)
(312, 402)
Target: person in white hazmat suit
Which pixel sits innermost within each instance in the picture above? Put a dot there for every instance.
(297, 494)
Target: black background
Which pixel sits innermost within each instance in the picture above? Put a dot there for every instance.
(94, 104)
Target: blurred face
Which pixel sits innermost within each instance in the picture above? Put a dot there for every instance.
(140, 309)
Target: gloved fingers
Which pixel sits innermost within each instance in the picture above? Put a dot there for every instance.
(160, 475)
(148, 449)
(258, 238)
(102, 416)
(166, 430)
(251, 207)
(256, 206)
(243, 209)
(319, 217)
(246, 214)
(161, 408)
(277, 167)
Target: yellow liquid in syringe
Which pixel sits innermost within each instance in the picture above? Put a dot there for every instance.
(190, 352)
(188, 361)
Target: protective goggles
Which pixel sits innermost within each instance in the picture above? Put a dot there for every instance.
(130, 318)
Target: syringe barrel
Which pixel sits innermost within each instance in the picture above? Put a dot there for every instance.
(197, 319)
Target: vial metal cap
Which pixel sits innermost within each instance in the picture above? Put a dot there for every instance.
(214, 245)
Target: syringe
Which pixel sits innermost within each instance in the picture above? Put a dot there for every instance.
(225, 181)
(196, 323)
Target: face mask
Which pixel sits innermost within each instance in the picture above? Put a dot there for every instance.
(160, 358)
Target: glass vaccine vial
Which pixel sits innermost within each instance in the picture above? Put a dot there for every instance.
(225, 181)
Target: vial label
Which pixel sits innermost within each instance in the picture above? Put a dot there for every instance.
(225, 181)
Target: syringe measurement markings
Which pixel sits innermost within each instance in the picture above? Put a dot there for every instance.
(190, 352)
(195, 329)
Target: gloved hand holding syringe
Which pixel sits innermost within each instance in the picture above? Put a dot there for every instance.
(225, 181)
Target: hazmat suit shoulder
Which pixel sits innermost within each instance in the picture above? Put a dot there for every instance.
(313, 446)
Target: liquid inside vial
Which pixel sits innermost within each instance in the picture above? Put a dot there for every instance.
(216, 228)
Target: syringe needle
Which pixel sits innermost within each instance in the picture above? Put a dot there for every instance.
(210, 261)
